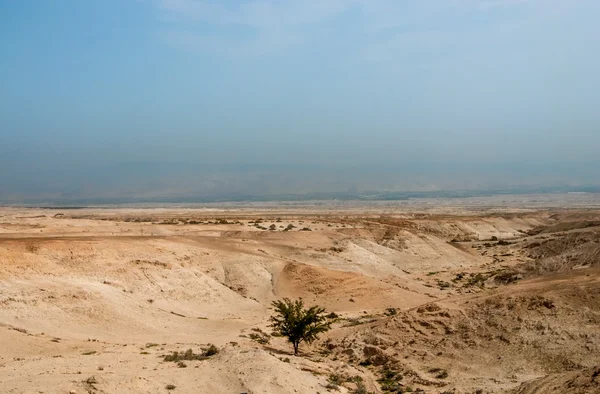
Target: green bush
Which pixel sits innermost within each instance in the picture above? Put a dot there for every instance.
(297, 323)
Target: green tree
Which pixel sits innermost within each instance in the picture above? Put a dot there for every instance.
(297, 323)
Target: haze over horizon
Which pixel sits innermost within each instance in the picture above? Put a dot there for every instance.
(180, 98)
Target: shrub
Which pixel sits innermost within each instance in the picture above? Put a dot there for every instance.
(259, 336)
(31, 248)
(335, 379)
(390, 381)
(507, 277)
(440, 373)
(443, 285)
(360, 388)
(211, 350)
(297, 323)
(391, 311)
(477, 280)
(189, 355)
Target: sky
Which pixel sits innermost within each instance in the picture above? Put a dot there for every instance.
(183, 98)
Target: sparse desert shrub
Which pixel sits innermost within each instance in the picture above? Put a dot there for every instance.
(540, 301)
(443, 284)
(305, 229)
(390, 381)
(477, 280)
(259, 336)
(333, 316)
(507, 277)
(297, 323)
(439, 373)
(174, 357)
(354, 321)
(391, 311)
(189, 355)
(170, 387)
(211, 350)
(336, 379)
(32, 248)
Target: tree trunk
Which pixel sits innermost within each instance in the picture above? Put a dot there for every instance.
(296, 348)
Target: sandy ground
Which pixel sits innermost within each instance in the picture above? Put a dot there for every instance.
(454, 300)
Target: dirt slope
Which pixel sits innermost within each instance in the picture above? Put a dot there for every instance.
(92, 300)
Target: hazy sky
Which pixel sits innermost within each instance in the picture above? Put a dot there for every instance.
(198, 97)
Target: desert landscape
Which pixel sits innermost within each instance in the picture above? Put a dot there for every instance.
(299, 197)
(428, 298)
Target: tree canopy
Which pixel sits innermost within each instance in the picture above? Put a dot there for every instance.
(297, 323)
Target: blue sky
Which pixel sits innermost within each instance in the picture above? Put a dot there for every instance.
(182, 97)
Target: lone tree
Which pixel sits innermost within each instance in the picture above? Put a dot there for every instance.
(298, 324)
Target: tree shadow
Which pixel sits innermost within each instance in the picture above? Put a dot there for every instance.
(278, 351)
